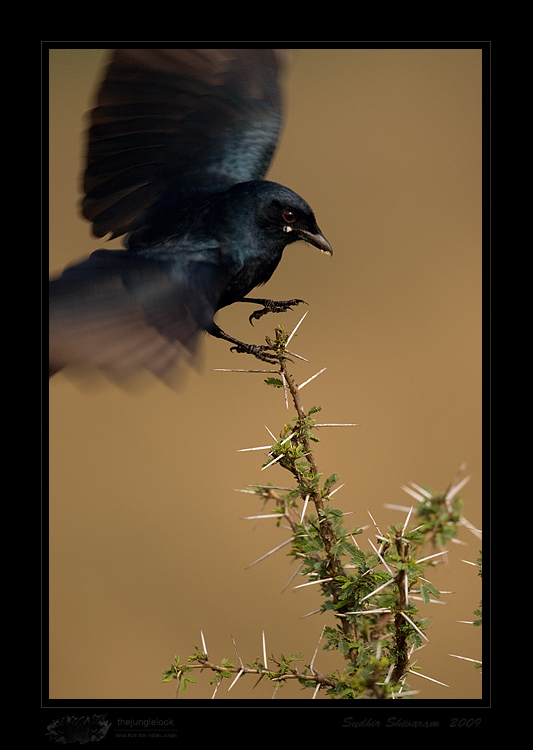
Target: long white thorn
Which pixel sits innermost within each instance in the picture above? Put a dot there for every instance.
(314, 612)
(288, 541)
(296, 328)
(224, 369)
(417, 496)
(476, 661)
(311, 583)
(316, 651)
(387, 583)
(476, 532)
(378, 553)
(284, 381)
(298, 569)
(437, 554)
(258, 448)
(427, 678)
(375, 524)
(298, 356)
(239, 673)
(454, 489)
(415, 627)
(330, 494)
(407, 519)
(264, 650)
(271, 463)
(424, 492)
(304, 508)
(302, 385)
(236, 651)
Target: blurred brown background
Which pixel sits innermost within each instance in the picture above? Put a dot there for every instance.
(146, 545)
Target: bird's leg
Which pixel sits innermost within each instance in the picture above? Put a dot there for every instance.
(270, 305)
(264, 353)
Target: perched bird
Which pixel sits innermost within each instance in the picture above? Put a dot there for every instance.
(178, 146)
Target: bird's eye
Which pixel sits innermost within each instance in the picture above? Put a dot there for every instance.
(289, 216)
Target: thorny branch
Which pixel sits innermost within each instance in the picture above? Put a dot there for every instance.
(376, 638)
(288, 672)
(334, 566)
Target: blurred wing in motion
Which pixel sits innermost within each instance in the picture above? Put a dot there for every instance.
(179, 120)
(122, 313)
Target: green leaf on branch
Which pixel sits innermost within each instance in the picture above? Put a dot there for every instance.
(274, 382)
(330, 481)
(426, 589)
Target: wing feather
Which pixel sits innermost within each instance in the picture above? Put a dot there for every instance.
(184, 119)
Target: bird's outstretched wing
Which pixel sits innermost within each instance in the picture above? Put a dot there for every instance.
(179, 120)
(124, 314)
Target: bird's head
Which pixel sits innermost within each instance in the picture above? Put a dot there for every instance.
(284, 216)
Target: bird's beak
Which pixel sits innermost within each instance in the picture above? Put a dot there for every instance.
(317, 239)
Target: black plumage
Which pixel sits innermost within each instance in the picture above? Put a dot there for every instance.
(179, 144)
